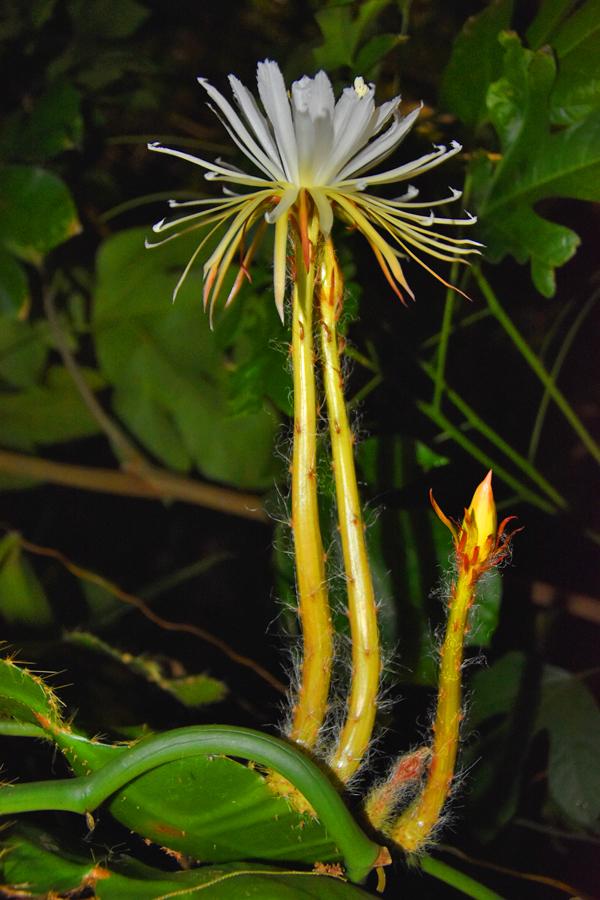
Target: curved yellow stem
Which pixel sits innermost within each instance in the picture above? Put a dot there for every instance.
(413, 828)
(313, 606)
(356, 733)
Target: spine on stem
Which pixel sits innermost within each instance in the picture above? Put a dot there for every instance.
(479, 546)
(313, 606)
(357, 730)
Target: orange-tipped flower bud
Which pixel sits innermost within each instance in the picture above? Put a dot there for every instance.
(480, 543)
(478, 532)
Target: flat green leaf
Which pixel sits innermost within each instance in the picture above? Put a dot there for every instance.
(24, 696)
(549, 17)
(191, 690)
(47, 413)
(168, 370)
(22, 597)
(53, 124)
(24, 347)
(35, 858)
(476, 60)
(536, 164)
(14, 289)
(37, 212)
(102, 19)
(342, 29)
(375, 50)
(495, 689)
(571, 716)
(573, 31)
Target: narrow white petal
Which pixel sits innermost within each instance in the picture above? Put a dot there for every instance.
(350, 138)
(287, 199)
(384, 112)
(280, 262)
(239, 132)
(381, 147)
(414, 168)
(273, 95)
(213, 169)
(257, 122)
(324, 211)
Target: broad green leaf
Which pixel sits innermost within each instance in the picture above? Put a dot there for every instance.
(191, 690)
(47, 413)
(536, 164)
(167, 368)
(24, 347)
(36, 858)
(494, 690)
(24, 696)
(101, 18)
(571, 716)
(549, 17)
(14, 289)
(343, 28)
(209, 808)
(504, 699)
(36, 212)
(374, 51)
(476, 60)
(576, 91)
(53, 125)
(22, 597)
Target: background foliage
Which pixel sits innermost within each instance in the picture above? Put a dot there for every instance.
(155, 610)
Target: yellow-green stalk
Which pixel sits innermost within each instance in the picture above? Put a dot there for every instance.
(313, 607)
(357, 730)
(479, 546)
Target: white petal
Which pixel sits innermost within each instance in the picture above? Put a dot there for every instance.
(313, 106)
(414, 168)
(257, 121)
(239, 132)
(273, 95)
(381, 147)
(280, 262)
(213, 170)
(384, 112)
(287, 199)
(324, 210)
(351, 132)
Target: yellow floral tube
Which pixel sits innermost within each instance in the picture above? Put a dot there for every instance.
(357, 730)
(479, 546)
(313, 606)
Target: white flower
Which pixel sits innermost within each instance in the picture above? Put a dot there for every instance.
(312, 155)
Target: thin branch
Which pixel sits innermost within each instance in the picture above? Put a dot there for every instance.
(124, 449)
(148, 613)
(163, 485)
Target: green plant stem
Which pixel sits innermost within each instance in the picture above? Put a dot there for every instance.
(442, 350)
(446, 425)
(555, 372)
(12, 728)
(85, 793)
(457, 879)
(478, 423)
(532, 360)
